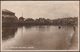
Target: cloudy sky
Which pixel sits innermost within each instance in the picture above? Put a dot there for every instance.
(45, 9)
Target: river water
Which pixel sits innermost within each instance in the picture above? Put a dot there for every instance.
(36, 38)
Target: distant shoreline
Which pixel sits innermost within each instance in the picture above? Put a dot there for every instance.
(40, 22)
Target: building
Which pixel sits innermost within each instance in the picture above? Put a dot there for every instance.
(8, 17)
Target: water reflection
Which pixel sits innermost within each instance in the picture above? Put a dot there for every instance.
(8, 32)
(43, 28)
(38, 37)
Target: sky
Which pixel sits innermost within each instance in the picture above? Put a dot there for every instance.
(43, 9)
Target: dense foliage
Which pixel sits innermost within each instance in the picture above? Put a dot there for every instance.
(42, 21)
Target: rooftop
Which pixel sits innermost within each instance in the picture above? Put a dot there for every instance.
(5, 10)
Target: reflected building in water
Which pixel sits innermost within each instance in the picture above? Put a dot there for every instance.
(8, 32)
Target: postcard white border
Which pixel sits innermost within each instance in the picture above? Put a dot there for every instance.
(37, 50)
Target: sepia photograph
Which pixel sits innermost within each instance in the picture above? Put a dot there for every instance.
(40, 25)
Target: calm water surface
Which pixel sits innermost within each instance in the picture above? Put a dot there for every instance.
(36, 37)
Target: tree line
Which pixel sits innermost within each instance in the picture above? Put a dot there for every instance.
(42, 21)
(69, 21)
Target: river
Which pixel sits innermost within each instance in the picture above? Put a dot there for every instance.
(36, 38)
